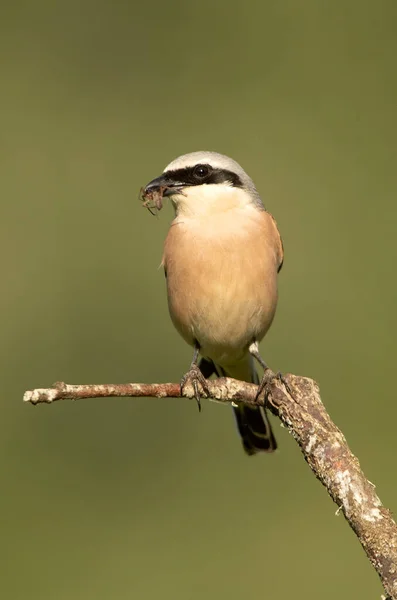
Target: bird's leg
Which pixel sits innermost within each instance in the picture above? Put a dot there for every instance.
(195, 377)
(268, 374)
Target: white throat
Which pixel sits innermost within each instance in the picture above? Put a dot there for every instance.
(208, 200)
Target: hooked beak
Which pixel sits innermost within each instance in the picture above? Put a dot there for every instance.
(164, 185)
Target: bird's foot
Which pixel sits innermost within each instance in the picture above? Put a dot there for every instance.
(266, 381)
(282, 379)
(196, 379)
(268, 378)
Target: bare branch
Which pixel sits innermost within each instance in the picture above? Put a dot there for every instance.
(222, 390)
(321, 442)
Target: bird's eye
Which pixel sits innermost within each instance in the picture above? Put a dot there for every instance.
(201, 172)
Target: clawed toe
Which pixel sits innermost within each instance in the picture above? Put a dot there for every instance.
(268, 377)
(281, 378)
(195, 377)
(264, 386)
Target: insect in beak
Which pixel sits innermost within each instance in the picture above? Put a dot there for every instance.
(152, 198)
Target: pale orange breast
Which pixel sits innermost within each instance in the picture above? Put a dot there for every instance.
(222, 280)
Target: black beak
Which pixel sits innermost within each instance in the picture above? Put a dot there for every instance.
(165, 185)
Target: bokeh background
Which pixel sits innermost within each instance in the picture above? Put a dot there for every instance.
(146, 498)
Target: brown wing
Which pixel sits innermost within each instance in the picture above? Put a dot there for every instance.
(280, 249)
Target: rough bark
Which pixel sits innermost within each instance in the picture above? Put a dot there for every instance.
(323, 445)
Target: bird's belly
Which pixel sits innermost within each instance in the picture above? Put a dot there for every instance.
(222, 299)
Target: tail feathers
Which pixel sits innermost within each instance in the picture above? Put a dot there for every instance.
(255, 429)
(252, 423)
(207, 368)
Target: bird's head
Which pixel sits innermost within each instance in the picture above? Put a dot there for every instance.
(203, 183)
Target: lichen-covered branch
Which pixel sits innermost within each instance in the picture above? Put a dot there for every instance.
(222, 390)
(331, 460)
(321, 442)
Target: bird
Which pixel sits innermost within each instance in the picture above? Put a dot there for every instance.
(221, 260)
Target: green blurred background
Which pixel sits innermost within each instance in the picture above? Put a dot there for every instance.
(146, 498)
